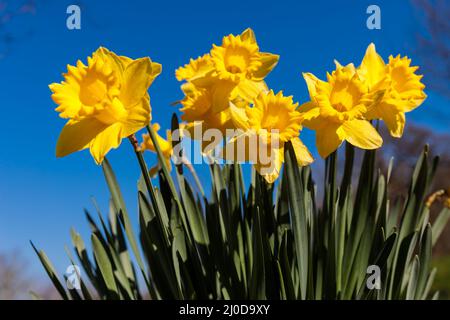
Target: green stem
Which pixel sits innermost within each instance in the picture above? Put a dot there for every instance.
(173, 190)
(348, 170)
(330, 180)
(148, 183)
(144, 168)
(194, 174)
(162, 161)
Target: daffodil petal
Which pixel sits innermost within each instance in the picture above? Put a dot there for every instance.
(362, 134)
(311, 82)
(248, 89)
(248, 34)
(308, 109)
(271, 172)
(77, 135)
(337, 64)
(269, 62)
(196, 68)
(138, 76)
(372, 68)
(239, 117)
(138, 117)
(310, 113)
(329, 138)
(221, 96)
(165, 145)
(394, 119)
(67, 99)
(302, 153)
(106, 140)
(412, 104)
(117, 63)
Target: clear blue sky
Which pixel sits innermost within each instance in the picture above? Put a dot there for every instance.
(41, 197)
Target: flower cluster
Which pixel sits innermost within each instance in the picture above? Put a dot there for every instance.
(230, 75)
(225, 89)
(107, 100)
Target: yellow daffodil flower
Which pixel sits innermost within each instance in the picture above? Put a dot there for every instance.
(403, 90)
(199, 116)
(196, 68)
(235, 69)
(197, 107)
(164, 144)
(199, 73)
(104, 101)
(271, 122)
(336, 111)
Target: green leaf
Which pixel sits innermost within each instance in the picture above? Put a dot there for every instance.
(405, 252)
(119, 203)
(51, 272)
(193, 212)
(429, 284)
(162, 161)
(105, 266)
(285, 269)
(425, 261)
(413, 277)
(257, 287)
(298, 217)
(439, 224)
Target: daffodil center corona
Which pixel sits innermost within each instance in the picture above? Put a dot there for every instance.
(344, 96)
(112, 112)
(92, 90)
(274, 116)
(98, 93)
(237, 60)
(272, 121)
(269, 122)
(399, 74)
